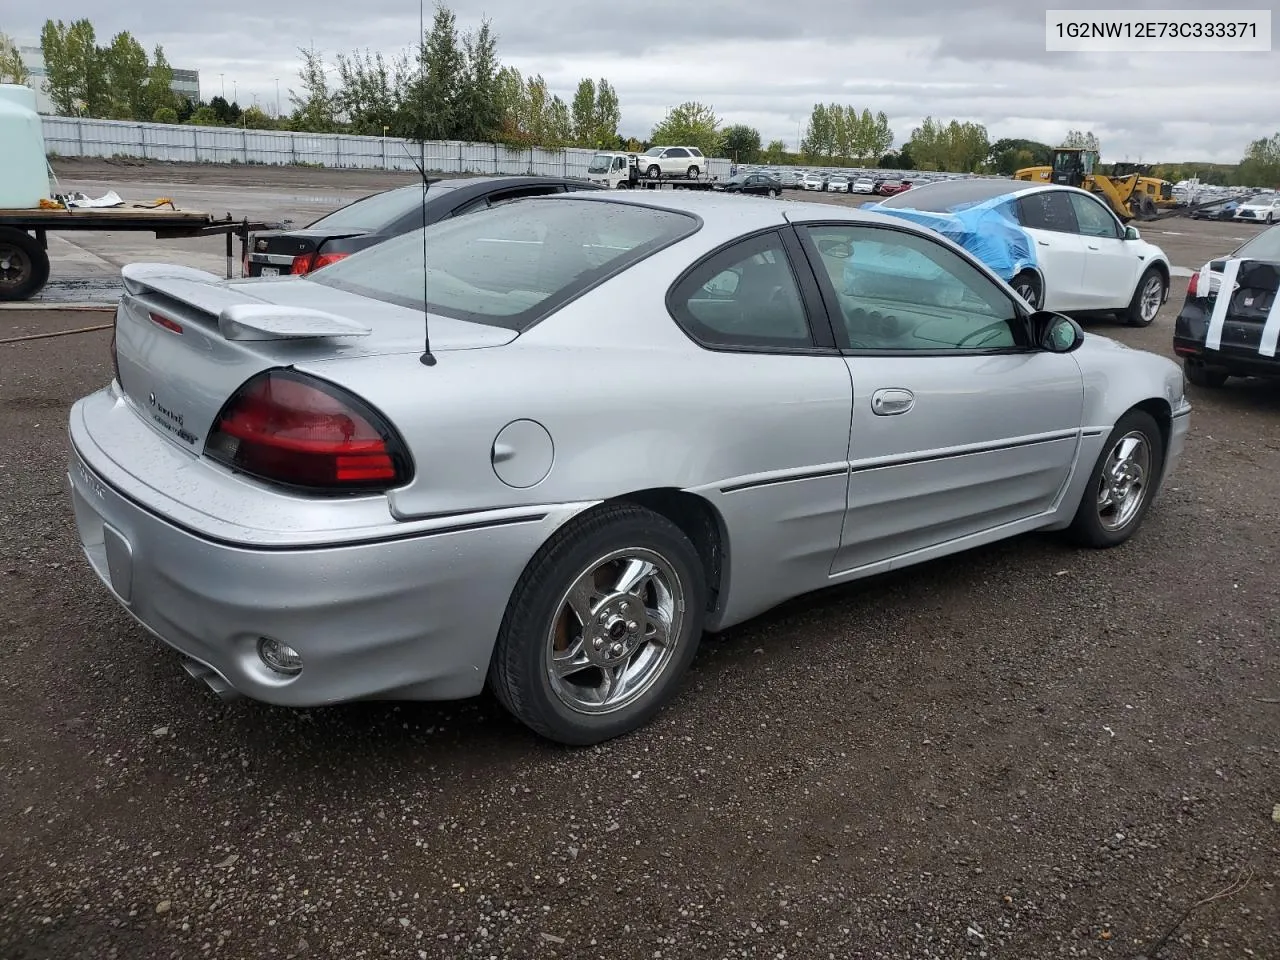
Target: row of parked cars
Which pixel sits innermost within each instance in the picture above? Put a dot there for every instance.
(386, 477)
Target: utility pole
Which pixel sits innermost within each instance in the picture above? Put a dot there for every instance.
(222, 80)
(277, 98)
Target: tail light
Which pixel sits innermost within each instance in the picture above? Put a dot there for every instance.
(298, 431)
(115, 355)
(308, 262)
(1194, 285)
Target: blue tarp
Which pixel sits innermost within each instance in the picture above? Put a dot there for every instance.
(984, 229)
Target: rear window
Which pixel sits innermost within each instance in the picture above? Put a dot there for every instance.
(508, 265)
(1265, 246)
(944, 196)
(378, 211)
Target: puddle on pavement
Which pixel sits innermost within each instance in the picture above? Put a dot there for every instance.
(104, 290)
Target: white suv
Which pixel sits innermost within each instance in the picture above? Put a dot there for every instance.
(672, 162)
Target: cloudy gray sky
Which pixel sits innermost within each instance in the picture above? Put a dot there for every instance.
(760, 63)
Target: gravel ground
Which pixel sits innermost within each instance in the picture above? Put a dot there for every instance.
(1024, 752)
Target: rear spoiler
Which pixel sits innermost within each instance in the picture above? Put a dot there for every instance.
(239, 314)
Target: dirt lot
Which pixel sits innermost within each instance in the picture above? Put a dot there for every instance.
(1025, 752)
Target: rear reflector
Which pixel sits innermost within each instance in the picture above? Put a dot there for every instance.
(299, 431)
(162, 321)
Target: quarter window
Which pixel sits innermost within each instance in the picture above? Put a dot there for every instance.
(1093, 217)
(899, 291)
(746, 297)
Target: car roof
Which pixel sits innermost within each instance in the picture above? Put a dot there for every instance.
(941, 196)
(718, 210)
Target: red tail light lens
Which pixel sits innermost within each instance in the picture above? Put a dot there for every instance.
(308, 262)
(299, 431)
(1194, 284)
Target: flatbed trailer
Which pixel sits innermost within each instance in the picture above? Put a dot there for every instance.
(24, 243)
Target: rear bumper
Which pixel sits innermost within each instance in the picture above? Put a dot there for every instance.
(412, 616)
(1238, 353)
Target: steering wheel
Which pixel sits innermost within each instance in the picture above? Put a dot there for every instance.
(990, 330)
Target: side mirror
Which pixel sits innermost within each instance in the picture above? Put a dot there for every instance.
(1131, 233)
(1055, 332)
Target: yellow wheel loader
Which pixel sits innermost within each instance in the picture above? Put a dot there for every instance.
(1128, 191)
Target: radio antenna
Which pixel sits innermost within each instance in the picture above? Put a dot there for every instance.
(428, 359)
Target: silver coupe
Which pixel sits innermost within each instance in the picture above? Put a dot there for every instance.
(543, 447)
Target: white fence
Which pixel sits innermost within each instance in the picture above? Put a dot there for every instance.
(73, 137)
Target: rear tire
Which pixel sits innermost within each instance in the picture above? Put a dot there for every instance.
(540, 624)
(24, 265)
(1204, 376)
(1131, 463)
(774, 194)
(1148, 298)
(1028, 286)
(692, 173)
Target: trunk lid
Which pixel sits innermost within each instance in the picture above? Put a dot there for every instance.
(186, 341)
(278, 248)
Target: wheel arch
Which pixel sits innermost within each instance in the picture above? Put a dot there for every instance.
(702, 523)
(1162, 413)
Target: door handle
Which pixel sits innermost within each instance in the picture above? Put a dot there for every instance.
(892, 401)
(1043, 243)
(1092, 247)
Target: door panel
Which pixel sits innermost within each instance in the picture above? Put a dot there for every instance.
(1112, 266)
(986, 440)
(1048, 217)
(959, 426)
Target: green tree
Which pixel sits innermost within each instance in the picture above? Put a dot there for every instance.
(204, 116)
(158, 93)
(583, 111)
(1082, 140)
(227, 113)
(1009, 155)
(608, 113)
(12, 69)
(368, 96)
(881, 137)
(1260, 165)
(819, 142)
(127, 71)
(479, 115)
(74, 68)
(165, 115)
(434, 104)
(742, 143)
(255, 118)
(315, 106)
(775, 152)
(512, 99)
(691, 124)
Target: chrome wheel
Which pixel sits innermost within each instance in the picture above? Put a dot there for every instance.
(1122, 487)
(615, 631)
(1151, 300)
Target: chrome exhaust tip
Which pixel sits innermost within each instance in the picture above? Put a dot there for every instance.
(213, 680)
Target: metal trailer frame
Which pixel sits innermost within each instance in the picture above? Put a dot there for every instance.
(37, 224)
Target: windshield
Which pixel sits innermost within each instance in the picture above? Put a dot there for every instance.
(600, 163)
(379, 211)
(1265, 246)
(511, 264)
(652, 152)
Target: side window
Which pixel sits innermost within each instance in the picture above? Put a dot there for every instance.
(1093, 217)
(1047, 210)
(900, 291)
(506, 196)
(676, 153)
(745, 296)
(477, 204)
(619, 163)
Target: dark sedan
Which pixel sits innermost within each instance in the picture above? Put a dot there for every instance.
(1229, 325)
(755, 184)
(373, 219)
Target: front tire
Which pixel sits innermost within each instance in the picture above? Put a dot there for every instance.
(601, 627)
(1148, 298)
(654, 172)
(1122, 484)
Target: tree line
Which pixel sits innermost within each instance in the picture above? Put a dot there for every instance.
(453, 86)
